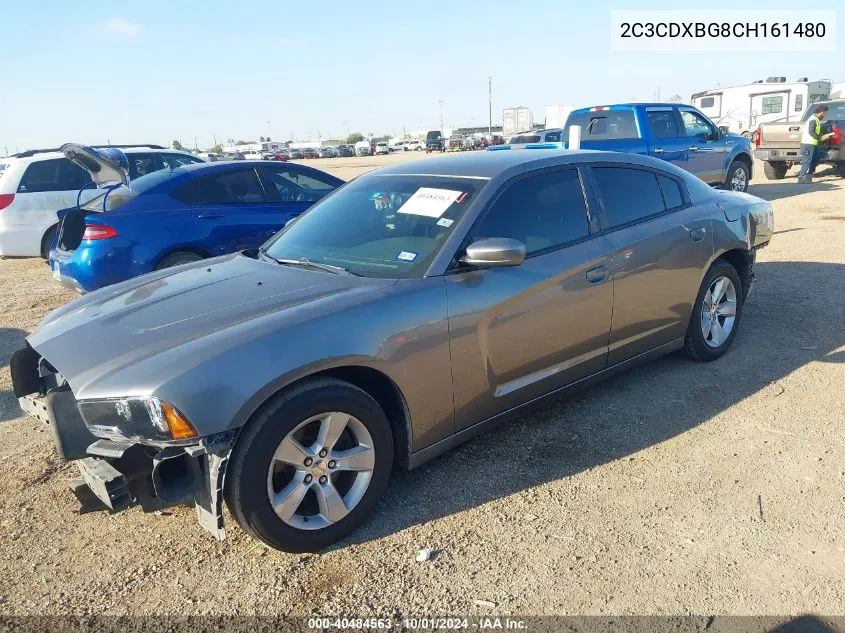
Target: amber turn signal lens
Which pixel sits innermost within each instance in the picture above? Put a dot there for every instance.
(179, 427)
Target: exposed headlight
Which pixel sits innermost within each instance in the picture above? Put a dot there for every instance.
(141, 418)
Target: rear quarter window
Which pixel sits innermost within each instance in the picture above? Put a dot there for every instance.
(604, 124)
(57, 174)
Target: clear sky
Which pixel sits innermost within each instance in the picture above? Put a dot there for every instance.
(158, 70)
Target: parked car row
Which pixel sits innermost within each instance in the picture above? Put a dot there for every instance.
(176, 216)
(399, 315)
(35, 184)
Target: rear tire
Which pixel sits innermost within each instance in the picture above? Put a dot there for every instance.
(775, 171)
(713, 325)
(47, 240)
(178, 258)
(738, 176)
(840, 169)
(255, 475)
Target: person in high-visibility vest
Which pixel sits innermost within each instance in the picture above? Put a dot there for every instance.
(810, 139)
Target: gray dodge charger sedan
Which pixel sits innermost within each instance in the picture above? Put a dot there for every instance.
(405, 312)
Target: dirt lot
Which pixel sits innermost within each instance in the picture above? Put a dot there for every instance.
(674, 488)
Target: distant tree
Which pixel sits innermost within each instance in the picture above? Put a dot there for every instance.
(267, 138)
(244, 142)
(260, 139)
(355, 137)
(217, 149)
(676, 99)
(177, 145)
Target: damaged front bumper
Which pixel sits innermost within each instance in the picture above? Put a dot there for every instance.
(122, 474)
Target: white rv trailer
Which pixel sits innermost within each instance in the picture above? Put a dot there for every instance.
(743, 108)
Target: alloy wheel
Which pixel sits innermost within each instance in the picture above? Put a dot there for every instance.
(321, 470)
(739, 180)
(718, 312)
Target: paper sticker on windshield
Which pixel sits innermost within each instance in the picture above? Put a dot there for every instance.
(406, 256)
(430, 202)
(445, 222)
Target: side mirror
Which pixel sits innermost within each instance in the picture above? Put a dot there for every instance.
(494, 251)
(723, 131)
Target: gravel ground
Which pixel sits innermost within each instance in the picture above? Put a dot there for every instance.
(674, 488)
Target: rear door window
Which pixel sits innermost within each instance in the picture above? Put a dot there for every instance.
(239, 186)
(604, 124)
(57, 174)
(297, 185)
(662, 124)
(628, 195)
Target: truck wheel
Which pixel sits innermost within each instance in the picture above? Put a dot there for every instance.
(775, 171)
(840, 169)
(310, 466)
(738, 177)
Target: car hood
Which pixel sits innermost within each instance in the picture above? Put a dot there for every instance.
(119, 326)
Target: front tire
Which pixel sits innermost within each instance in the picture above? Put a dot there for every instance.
(310, 466)
(775, 171)
(840, 169)
(716, 314)
(738, 176)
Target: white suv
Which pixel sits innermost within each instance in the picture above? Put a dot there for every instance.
(34, 185)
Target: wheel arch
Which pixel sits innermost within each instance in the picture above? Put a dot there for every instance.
(182, 248)
(742, 260)
(377, 384)
(745, 158)
(46, 251)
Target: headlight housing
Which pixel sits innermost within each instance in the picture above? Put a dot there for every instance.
(143, 418)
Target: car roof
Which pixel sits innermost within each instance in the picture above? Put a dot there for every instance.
(488, 164)
(39, 155)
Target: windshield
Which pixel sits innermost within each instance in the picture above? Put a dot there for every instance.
(603, 124)
(378, 226)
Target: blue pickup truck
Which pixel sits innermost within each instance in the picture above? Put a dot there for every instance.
(676, 133)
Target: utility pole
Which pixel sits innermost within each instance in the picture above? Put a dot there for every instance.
(490, 106)
(441, 115)
(658, 94)
(268, 129)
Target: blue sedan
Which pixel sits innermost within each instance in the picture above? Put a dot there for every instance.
(173, 217)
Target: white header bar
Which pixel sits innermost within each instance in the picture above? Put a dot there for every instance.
(723, 30)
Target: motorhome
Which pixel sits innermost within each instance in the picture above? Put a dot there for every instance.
(743, 108)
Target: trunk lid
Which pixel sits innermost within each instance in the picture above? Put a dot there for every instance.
(107, 166)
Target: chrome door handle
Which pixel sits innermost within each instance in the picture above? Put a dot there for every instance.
(657, 150)
(696, 235)
(693, 148)
(597, 275)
